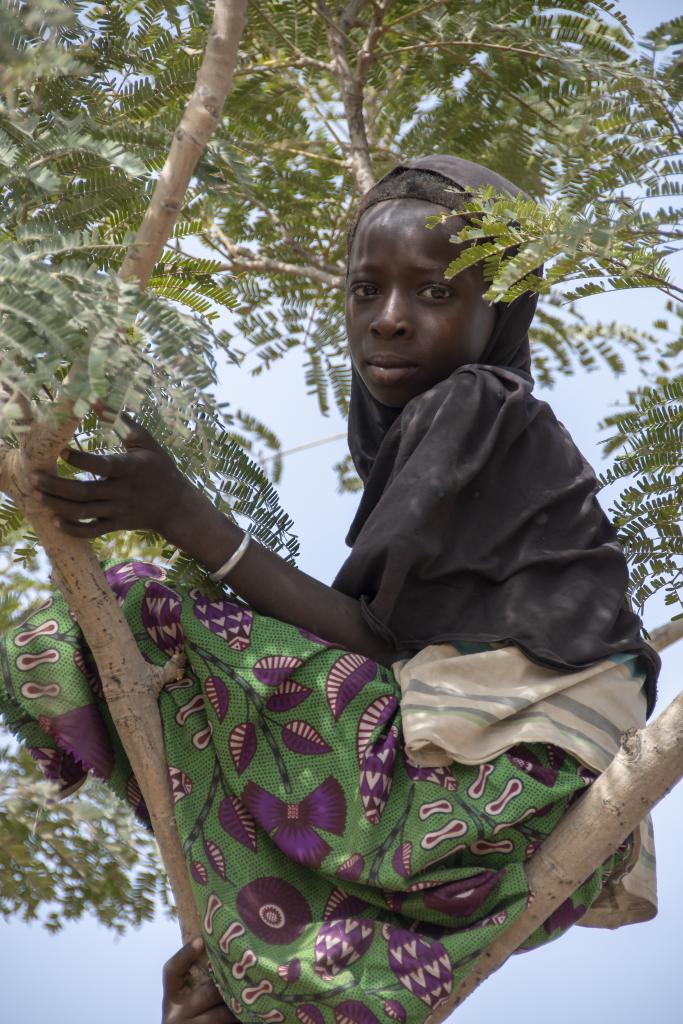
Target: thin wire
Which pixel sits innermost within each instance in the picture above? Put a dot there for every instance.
(302, 447)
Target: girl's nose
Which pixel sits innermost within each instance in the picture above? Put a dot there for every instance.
(392, 320)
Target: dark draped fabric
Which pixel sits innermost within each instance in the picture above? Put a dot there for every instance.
(479, 518)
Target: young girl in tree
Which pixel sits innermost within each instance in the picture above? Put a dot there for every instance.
(361, 771)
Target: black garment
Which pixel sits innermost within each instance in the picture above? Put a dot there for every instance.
(479, 519)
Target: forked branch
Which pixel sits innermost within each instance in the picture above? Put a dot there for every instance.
(351, 80)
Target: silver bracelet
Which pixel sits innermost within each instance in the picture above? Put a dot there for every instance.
(235, 557)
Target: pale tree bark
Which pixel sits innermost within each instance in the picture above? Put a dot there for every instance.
(647, 766)
(130, 684)
(245, 261)
(352, 79)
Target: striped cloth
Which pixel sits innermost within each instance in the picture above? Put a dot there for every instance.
(471, 703)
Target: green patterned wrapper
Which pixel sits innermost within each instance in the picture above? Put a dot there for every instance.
(336, 881)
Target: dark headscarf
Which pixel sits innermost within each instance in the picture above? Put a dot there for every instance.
(479, 518)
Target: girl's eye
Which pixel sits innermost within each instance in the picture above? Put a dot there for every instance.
(436, 292)
(363, 290)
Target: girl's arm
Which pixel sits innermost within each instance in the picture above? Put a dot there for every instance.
(143, 489)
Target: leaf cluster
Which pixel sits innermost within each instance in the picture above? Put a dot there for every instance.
(646, 435)
(60, 860)
(75, 179)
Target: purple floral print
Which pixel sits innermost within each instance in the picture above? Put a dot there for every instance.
(225, 619)
(273, 910)
(292, 824)
(160, 611)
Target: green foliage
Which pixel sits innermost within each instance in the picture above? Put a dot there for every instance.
(62, 859)
(74, 180)
(647, 437)
(21, 584)
(612, 245)
(348, 480)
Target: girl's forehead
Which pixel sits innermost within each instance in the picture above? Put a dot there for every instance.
(395, 228)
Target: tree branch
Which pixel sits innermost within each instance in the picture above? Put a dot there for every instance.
(199, 119)
(351, 87)
(566, 56)
(129, 682)
(666, 635)
(376, 31)
(414, 11)
(17, 405)
(265, 265)
(349, 15)
(299, 55)
(284, 65)
(242, 258)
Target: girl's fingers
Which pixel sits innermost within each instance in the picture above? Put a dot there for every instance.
(130, 426)
(52, 486)
(75, 511)
(205, 997)
(87, 530)
(219, 1015)
(134, 435)
(103, 411)
(175, 969)
(102, 465)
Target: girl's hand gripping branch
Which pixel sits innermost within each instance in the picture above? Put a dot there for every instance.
(139, 489)
(183, 1004)
(143, 489)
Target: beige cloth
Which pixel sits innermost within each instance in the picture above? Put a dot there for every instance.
(472, 707)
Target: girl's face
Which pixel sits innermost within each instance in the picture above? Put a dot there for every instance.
(408, 327)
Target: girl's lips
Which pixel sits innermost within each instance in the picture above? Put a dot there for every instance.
(391, 374)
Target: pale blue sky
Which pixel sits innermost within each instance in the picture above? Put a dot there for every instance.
(84, 974)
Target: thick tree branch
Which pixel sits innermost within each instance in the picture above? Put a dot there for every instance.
(201, 116)
(130, 684)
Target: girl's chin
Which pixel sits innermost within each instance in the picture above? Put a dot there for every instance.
(391, 397)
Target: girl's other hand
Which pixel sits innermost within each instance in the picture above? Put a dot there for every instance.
(141, 489)
(185, 1005)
